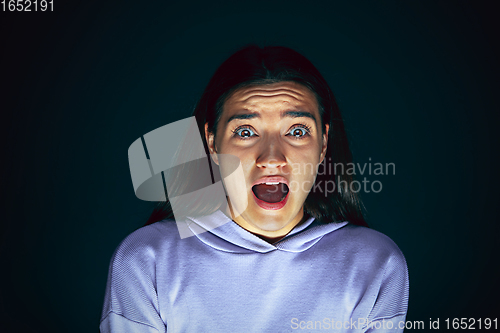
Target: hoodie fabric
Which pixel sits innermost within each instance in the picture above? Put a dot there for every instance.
(333, 276)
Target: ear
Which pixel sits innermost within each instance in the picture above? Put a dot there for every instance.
(210, 138)
(324, 144)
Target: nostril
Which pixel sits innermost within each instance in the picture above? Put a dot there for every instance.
(271, 163)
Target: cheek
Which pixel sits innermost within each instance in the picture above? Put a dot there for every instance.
(248, 165)
(231, 159)
(305, 163)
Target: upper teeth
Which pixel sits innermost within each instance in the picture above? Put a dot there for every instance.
(272, 183)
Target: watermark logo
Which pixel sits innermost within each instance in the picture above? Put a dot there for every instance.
(351, 324)
(170, 161)
(334, 172)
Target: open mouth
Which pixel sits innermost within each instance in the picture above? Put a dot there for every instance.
(270, 192)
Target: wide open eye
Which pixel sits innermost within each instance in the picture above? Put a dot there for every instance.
(244, 132)
(299, 131)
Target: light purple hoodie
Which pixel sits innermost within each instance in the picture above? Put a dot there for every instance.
(334, 276)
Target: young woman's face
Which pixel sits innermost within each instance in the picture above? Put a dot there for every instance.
(275, 131)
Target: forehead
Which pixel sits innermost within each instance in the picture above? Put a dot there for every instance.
(280, 95)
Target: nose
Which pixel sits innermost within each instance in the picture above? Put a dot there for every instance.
(271, 155)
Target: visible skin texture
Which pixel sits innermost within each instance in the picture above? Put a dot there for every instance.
(271, 141)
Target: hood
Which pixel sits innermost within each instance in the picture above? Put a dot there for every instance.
(230, 237)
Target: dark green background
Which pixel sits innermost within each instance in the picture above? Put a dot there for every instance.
(417, 83)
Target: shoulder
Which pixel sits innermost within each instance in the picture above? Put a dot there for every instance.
(368, 244)
(376, 256)
(369, 237)
(131, 292)
(144, 243)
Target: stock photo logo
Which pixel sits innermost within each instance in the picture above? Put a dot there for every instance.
(170, 163)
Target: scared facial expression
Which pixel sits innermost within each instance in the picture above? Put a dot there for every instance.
(275, 131)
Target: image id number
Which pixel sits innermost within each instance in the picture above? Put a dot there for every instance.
(471, 323)
(27, 5)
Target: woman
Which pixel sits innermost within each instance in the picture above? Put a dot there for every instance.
(287, 254)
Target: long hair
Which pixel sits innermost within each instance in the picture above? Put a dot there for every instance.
(255, 65)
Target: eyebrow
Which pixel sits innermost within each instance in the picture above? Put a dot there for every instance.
(286, 114)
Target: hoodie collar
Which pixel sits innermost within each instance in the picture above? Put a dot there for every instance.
(230, 237)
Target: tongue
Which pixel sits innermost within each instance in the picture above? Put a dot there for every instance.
(270, 193)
